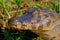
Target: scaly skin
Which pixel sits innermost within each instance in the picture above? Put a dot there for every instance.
(36, 20)
(54, 33)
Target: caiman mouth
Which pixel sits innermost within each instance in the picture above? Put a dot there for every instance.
(13, 23)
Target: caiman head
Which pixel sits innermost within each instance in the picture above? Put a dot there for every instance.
(35, 19)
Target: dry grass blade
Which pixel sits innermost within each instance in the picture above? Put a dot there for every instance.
(1, 15)
(8, 15)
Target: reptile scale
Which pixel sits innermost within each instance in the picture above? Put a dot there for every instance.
(37, 20)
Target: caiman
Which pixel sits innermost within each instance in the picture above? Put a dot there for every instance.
(38, 20)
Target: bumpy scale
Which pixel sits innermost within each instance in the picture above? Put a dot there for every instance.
(36, 20)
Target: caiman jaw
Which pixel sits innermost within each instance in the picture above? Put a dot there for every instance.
(24, 26)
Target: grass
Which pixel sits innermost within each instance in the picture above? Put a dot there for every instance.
(8, 8)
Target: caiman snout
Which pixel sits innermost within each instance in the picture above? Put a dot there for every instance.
(13, 23)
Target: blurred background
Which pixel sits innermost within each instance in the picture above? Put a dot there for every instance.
(13, 8)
